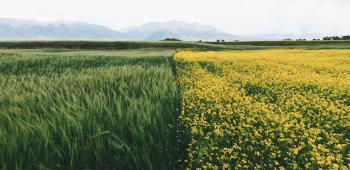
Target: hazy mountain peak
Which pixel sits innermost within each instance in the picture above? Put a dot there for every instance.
(22, 29)
(177, 29)
(170, 25)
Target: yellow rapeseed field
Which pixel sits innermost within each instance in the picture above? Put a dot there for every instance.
(265, 109)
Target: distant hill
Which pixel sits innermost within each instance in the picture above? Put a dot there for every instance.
(19, 29)
(177, 29)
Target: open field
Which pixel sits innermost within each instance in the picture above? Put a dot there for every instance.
(265, 109)
(319, 44)
(174, 105)
(118, 45)
(73, 110)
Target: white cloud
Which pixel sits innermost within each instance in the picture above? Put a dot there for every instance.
(234, 16)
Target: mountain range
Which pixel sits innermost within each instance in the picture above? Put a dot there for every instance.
(177, 29)
(20, 29)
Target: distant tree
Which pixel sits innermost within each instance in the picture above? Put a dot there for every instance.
(327, 38)
(171, 39)
(336, 38)
(218, 40)
(346, 37)
(222, 40)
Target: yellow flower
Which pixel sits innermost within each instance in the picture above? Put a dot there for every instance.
(265, 108)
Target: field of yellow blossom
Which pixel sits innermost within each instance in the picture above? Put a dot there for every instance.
(265, 109)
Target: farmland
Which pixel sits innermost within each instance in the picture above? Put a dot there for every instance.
(87, 109)
(175, 105)
(265, 109)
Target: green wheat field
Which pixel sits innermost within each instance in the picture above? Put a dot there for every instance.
(87, 109)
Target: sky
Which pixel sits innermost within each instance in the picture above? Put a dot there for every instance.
(239, 17)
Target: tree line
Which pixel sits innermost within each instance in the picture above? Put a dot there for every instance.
(346, 37)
